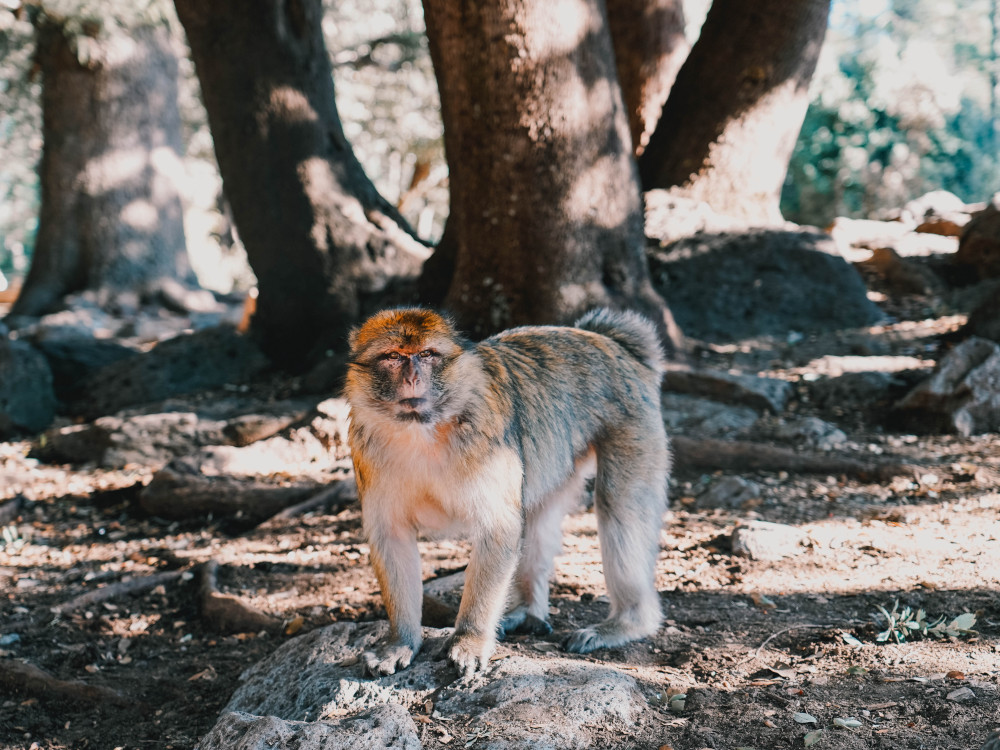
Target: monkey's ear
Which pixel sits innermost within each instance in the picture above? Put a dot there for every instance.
(352, 339)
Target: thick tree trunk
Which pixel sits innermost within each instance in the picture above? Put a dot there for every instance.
(323, 243)
(546, 215)
(110, 217)
(650, 47)
(728, 128)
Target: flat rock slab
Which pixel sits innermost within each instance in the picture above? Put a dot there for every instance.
(27, 399)
(763, 540)
(311, 688)
(729, 287)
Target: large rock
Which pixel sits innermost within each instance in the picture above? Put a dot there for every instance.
(984, 321)
(727, 287)
(386, 727)
(206, 359)
(979, 247)
(516, 702)
(962, 395)
(27, 400)
(731, 388)
(75, 356)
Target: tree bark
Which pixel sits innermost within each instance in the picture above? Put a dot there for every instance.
(650, 47)
(323, 243)
(110, 218)
(546, 215)
(731, 120)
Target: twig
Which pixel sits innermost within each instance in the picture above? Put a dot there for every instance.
(227, 613)
(117, 590)
(26, 679)
(756, 653)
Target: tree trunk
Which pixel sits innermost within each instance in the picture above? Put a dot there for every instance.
(728, 128)
(323, 243)
(650, 47)
(110, 217)
(546, 215)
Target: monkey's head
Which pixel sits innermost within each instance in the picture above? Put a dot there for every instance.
(400, 361)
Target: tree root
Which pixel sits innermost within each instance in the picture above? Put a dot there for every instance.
(26, 679)
(738, 455)
(229, 614)
(117, 590)
(333, 498)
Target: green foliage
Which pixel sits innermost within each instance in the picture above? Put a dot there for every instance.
(901, 106)
(909, 624)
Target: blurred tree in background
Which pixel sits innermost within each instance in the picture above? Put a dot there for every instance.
(903, 103)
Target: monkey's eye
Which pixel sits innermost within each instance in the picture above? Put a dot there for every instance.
(428, 353)
(392, 355)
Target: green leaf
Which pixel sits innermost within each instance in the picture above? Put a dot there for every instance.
(849, 723)
(857, 670)
(813, 737)
(963, 622)
(804, 718)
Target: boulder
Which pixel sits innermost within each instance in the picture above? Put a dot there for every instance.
(979, 247)
(703, 418)
(984, 321)
(75, 356)
(728, 287)
(733, 388)
(27, 398)
(203, 360)
(313, 682)
(962, 395)
(387, 727)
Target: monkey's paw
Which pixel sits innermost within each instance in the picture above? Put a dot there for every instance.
(387, 659)
(585, 640)
(519, 622)
(469, 653)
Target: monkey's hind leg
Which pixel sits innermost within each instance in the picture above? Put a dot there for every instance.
(629, 501)
(542, 542)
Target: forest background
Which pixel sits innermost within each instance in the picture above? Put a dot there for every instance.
(904, 101)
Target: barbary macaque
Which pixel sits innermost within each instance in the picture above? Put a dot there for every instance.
(496, 440)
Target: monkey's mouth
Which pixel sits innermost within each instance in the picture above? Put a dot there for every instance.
(412, 404)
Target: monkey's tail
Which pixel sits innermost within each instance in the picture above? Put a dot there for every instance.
(632, 331)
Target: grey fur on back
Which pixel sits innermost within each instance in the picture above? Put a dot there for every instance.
(629, 329)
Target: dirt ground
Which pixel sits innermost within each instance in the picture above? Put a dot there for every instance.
(766, 653)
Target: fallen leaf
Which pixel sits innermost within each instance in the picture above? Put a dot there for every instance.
(857, 670)
(955, 675)
(762, 601)
(769, 724)
(294, 625)
(804, 718)
(849, 723)
(813, 737)
(850, 640)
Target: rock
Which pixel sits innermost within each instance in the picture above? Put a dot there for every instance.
(387, 727)
(809, 431)
(729, 493)
(962, 395)
(852, 235)
(748, 390)
(27, 398)
(516, 702)
(763, 540)
(934, 203)
(115, 442)
(75, 355)
(728, 287)
(984, 321)
(902, 276)
(703, 418)
(979, 247)
(206, 359)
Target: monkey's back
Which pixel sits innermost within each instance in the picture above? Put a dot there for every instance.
(565, 390)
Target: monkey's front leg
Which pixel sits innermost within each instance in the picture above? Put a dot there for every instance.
(396, 560)
(487, 579)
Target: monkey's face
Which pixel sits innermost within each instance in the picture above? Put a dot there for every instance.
(401, 360)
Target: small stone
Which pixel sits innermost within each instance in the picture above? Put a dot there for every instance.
(763, 540)
(728, 492)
